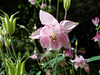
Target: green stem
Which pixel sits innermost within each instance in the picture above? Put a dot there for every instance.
(13, 47)
(35, 46)
(80, 71)
(57, 9)
(27, 31)
(49, 5)
(9, 49)
(56, 62)
(73, 69)
(38, 4)
(46, 4)
(40, 66)
(4, 60)
(98, 38)
(65, 15)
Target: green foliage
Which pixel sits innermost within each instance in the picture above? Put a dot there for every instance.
(39, 73)
(94, 58)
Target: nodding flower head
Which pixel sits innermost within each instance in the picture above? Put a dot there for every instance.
(96, 21)
(52, 34)
(80, 62)
(97, 38)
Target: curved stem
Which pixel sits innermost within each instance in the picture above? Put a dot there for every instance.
(13, 47)
(57, 9)
(27, 31)
(3, 60)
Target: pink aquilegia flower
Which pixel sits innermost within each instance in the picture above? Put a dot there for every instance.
(43, 5)
(80, 62)
(96, 21)
(31, 1)
(34, 56)
(97, 38)
(69, 53)
(52, 34)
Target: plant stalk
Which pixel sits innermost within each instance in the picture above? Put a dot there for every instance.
(57, 9)
(98, 38)
(3, 60)
(80, 71)
(65, 15)
(13, 47)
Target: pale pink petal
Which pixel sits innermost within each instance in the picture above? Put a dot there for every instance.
(97, 38)
(46, 30)
(47, 19)
(34, 56)
(56, 45)
(36, 34)
(72, 61)
(68, 25)
(63, 40)
(45, 41)
(43, 5)
(87, 69)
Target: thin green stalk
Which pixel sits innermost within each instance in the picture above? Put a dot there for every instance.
(7, 52)
(27, 31)
(13, 48)
(9, 49)
(98, 38)
(80, 71)
(38, 4)
(35, 45)
(40, 66)
(49, 6)
(3, 60)
(73, 69)
(56, 62)
(57, 9)
(65, 15)
(46, 4)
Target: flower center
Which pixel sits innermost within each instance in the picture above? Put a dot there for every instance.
(53, 38)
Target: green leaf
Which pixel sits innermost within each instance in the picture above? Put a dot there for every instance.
(39, 73)
(53, 61)
(44, 56)
(11, 68)
(94, 58)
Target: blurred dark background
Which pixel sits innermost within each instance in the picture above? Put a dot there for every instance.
(81, 11)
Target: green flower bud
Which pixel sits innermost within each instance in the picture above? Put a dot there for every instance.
(67, 4)
(9, 24)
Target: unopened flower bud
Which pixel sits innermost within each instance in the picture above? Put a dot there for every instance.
(9, 24)
(35, 27)
(67, 4)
